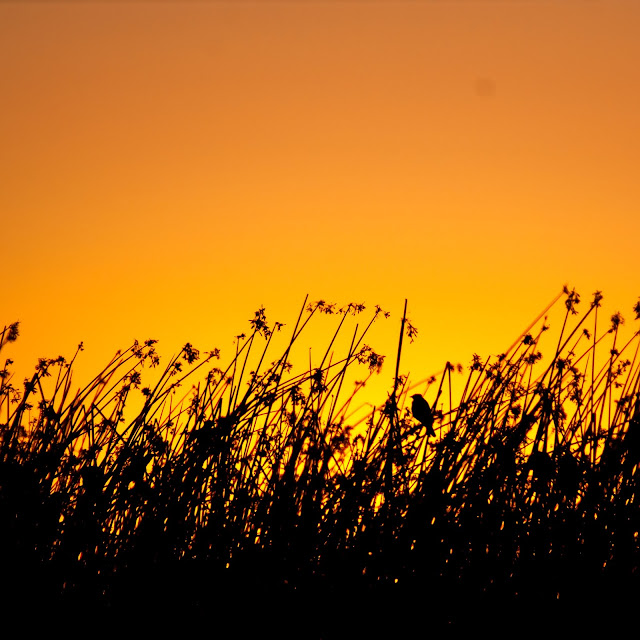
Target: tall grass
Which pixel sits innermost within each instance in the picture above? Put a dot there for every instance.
(252, 491)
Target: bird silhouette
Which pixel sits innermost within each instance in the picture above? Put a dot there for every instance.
(422, 412)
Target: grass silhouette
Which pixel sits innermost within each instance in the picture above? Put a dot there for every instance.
(251, 499)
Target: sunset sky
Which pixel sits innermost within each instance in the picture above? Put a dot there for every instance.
(168, 167)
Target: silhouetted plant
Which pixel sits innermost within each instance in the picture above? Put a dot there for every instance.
(256, 479)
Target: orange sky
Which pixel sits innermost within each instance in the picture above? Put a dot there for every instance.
(168, 167)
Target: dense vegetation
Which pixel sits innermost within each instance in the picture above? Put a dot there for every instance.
(252, 500)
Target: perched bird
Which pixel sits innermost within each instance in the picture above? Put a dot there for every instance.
(422, 412)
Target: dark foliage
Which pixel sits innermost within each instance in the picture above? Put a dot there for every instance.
(252, 501)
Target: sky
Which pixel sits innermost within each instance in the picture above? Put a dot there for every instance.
(169, 167)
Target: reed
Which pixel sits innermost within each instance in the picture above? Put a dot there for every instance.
(253, 489)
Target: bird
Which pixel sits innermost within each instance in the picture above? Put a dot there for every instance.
(422, 412)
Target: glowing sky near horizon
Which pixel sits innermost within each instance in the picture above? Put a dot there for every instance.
(168, 167)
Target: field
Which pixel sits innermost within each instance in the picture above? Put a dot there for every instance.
(249, 498)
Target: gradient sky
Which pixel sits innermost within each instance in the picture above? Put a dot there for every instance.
(168, 167)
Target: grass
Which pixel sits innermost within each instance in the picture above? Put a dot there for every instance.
(252, 499)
